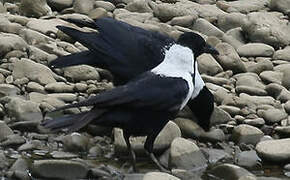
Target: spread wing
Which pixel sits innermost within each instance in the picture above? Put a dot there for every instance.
(148, 91)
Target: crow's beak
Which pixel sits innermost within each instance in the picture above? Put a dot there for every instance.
(209, 49)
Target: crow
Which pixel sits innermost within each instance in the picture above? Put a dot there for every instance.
(127, 51)
(144, 105)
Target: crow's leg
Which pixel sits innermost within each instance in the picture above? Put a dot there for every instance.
(127, 140)
(148, 146)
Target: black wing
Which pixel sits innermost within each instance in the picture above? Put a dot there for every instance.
(149, 91)
(125, 50)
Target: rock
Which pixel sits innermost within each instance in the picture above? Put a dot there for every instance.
(35, 87)
(283, 131)
(165, 12)
(23, 110)
(3, 160)
(271, 77)
(230, 171)
(2, 8)
(8, 90)
(214, 136)
(87, 72)
(287, 107)
(254, 101)
(188, 128)
(34, 8)
(45, 26)
(274, 150)
(285, 80)
(59, 169)
(282, 54)
(266, 28)
(4, 131)
(30, 146)
(162, 142)
(208, 65)
(216, 155)
(83, 7)
(108, 6)
(248, 159)
(159, 176)
(219, 116)
(246, 134)
(33, 71)
(59, 87)
(256, 49)
(75, 142)
(39, 56)
(98, 13)
(184, 21)
(33, 37)
(230, 21)
(205, 27)
(139, 6)
(66, 97)
(280, 5)
(245, 6)
(59, 5)
(229, 59)
(63, 155)
(185, 154)
(250, 83)
(272, 115)
(11, 42)
(257, 122)
(13, 140)
(20, 164)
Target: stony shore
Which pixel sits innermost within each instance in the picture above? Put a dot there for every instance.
(250, 80)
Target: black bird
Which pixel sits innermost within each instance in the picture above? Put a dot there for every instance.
(127, 51)
(144, 105)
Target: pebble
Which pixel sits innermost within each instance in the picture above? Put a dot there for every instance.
(246, 134)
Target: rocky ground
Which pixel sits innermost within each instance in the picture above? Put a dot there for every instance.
(250, 80)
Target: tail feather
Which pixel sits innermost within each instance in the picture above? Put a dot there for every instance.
(85, 57)
(73, 122)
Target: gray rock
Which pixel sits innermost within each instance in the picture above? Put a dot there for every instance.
(285, 80)
(35, 87)
(245, 6)
(34, 8)
(9, 27)
(247, 134)
(45, 26)
(216, 80)
(165, 12)
(33, 71)
(59, 87)
(23, 110)
(257, 122)
(40, 56)
(216, 155)
(282, 54)
(232, 110)
(98, 13)
(60, 4)
(280, 5)
(184, 21)
(256, 49)
(162, 142)
(248, 159)
(33, 37)
(20, 164)
(59, 169)
(237, 33)
(214, 136)
(272, 116)
(271, 77)
(219, 116)
(75, 142)
(254, 101)
(4, 131)
(230, 21)
(274, 150)
(13, 140)
(284, 131)
(139, 6)
(229, 58)
(11, 42)
(63, 155)
(287, 107)
(205, 27)
(230, 171)
(188, 127)
(267, 28)
(66, 97)
(159, 176)
(8, 90)
(83, 7)
(31, 145)
(2, 8)
(108, 6)
(87, 72)
(250, 83)
(184, 154)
